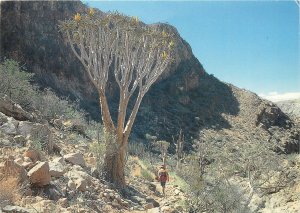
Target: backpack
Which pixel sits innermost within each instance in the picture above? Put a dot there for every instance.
(163, 176)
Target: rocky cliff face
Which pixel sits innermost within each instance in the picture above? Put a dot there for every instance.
(185, 97)
(290, 107)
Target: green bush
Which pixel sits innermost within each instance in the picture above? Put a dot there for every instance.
(146, 175)
(15, 83)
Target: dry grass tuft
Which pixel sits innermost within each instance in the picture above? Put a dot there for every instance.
(9, 190)
(136, 171)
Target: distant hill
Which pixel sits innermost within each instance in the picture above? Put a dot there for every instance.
(291, 107)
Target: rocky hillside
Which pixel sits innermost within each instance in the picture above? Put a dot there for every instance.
(185, 97)
(63, 174)
(290, 107)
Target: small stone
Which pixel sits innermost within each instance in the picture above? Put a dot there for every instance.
(59, 160)
(33, 154)
(179, 208)
(27, 165)
(20, 139)
(90, 155)
(148, 206)
(111, 195)
(166, 209)
(95, 172)
(115, 204)
(71, 185)
(27, 159)
(106, 195)
(63, 202)
(19, 161)
(81, 184)
(177, 192)
(92, 161)
(109, 190)
(118, 198)
(56, 169)
(151, 200)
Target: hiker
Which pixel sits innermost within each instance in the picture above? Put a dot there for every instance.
(163, 177)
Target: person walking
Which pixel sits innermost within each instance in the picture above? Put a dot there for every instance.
(163, 177)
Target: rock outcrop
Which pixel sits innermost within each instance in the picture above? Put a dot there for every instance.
(10, 108)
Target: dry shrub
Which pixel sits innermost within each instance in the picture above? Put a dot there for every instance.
(9, 190)
(136, 171)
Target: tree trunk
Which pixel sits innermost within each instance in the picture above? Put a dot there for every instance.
(106, 117)
(114, 163)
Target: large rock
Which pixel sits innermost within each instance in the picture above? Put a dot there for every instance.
(39, 133)
(75, 159)
(9, 127)
(16, 209)
(20, 139)
(24, 128)
(10, 108)
(39, 175)
(56, 169)
(33, 154)
(11, 168)
(3, 119)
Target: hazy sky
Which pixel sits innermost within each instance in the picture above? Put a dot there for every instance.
(251, 44)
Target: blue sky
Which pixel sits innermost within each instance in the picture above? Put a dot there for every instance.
(251, 44)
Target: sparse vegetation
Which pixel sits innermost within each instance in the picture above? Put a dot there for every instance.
(223, 176)
(9, 190)
(16, 84)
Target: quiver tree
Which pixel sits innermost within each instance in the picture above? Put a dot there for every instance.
(136, 55)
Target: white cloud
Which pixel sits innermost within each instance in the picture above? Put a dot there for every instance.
(276, 97)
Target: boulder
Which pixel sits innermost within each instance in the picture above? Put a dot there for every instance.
(9, 128)
(75, 158)
(11, 168)
(33, 154)
(38, 132)
(3, 119)
(16, 209)
(53, 192)
(42, 133)
(20, 139)
(10, 108)
(56, 169)
(39, 175)
(24, 128)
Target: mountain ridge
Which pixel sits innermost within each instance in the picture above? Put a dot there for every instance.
(185, 97)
